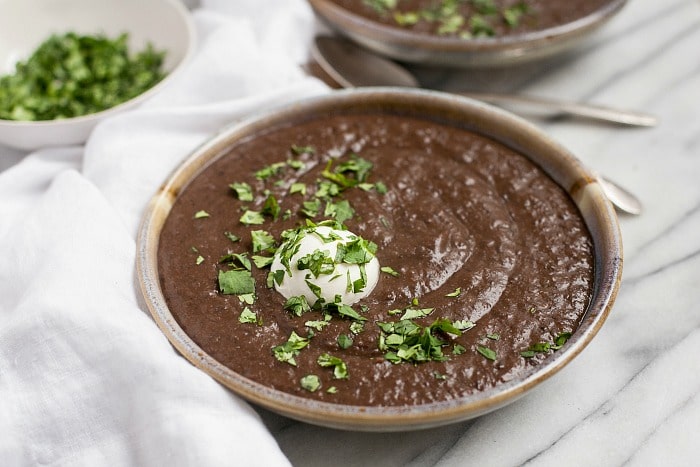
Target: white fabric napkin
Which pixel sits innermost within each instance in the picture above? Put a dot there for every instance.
(86, 377)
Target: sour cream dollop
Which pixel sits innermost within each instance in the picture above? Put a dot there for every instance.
(323, 262)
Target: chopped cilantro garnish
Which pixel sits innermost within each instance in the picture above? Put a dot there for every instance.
(326, 190)
(381, 6)
(315, 289)
(70, 75)
(357, 251)
(262, 240)
(236, 282)
(349, 173)
(252, 218)
(236, 260)
(232, 237)
(406, 341)
(544, 347)
(413, 313)
(345, 311)
(311, 383)
(296, 165)
(340, 211)
(278, 276)
(199, 260)
(270, 170)
(248, 316)
(448, 17)
(286, 352)
(389, 270)
(457, 292)
(344, 341)
(463, 325)
(560, 340)
(486, 352)
(513, 14)
(297, 305)
(247, 298)
(262, 261)
(201, 214)
(340, 369)
(311, 208)
(243, 191)
(298, 188)
(271, 207)
(298, 150)
(319, 262)
(318, 325)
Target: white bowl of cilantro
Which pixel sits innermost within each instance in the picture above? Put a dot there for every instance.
(67, 64)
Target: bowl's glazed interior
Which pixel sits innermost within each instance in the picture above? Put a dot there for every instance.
(557, 163)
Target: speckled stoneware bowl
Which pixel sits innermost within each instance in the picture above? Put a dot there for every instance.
(504, 127)
(455, 52)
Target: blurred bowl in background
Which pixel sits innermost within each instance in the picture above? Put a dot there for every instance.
(406, 45)
(26, 24)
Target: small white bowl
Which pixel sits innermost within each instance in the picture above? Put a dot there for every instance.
(26, 24)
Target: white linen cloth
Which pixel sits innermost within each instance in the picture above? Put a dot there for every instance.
(86, 377)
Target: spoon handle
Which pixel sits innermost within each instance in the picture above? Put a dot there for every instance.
(557, 107)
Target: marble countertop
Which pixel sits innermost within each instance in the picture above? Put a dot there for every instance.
(633, 396)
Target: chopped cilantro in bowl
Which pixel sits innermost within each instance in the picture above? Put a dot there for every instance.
(28, 24)
(71, 75)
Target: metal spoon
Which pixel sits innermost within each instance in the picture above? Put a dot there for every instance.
(352, 66)
(622, 199)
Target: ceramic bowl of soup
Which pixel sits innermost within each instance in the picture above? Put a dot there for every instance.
(380, 259)
(488, 33)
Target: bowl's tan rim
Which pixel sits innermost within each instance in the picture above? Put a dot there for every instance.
(191, 34)
(582, 185)
(401, 44)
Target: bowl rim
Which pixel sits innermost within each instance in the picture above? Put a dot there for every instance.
(583, 188)
(190, 32)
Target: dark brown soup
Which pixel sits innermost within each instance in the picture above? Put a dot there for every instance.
(470, 233)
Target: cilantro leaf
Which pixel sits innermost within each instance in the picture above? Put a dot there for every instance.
(262, 240)
(248, 316)
(252, 218)
(243, 191)
(486, 352)
(297, 305)
(340, 369)
(286, 352)
(236, 282)
(311, 383)
(344, 341)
